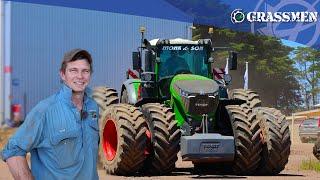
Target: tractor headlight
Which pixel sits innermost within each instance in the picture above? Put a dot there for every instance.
(213, 95)
(184, 93)
(148, 76)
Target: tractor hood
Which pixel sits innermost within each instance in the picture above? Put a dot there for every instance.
(194, 95)
(189, 84)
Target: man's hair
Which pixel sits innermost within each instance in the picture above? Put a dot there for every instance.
(73, 55)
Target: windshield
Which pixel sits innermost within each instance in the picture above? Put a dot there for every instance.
(183, 59)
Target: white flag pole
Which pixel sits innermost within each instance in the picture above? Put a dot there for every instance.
(226, 69)
(1, 63)
(246, 77)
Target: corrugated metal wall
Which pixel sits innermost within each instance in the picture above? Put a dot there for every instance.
(41, 34)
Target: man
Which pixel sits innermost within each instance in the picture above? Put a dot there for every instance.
(61, 132)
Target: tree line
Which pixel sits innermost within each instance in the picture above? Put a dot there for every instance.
(286, 78)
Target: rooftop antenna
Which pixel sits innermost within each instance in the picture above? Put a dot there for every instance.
(142, 30)
(210, 32)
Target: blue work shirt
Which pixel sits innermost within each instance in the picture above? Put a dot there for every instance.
(63, 144)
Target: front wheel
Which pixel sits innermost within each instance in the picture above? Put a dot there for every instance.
(247, 144)
(164, 137)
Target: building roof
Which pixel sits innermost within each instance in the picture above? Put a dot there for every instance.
(155, 8)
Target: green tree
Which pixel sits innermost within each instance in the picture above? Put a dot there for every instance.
(271, 71)
(308, 63)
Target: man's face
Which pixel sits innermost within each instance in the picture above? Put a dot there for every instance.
(77, 75)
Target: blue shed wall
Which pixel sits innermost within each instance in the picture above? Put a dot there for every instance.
(40, 34)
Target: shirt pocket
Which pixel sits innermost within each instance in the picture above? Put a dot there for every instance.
(67, 147)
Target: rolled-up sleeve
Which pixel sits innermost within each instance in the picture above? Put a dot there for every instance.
(26, 138)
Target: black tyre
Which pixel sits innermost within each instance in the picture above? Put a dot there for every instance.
(316, 149)
(244, 163)
(124, 96)
(276, 140)
(247, 140)
(164, 139)
(104, 97)
(122, 139)
(251, 98)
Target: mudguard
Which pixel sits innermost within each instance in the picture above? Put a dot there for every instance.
(132, 86)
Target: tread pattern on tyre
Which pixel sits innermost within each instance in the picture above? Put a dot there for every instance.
(105, 96)
(131, 128)
(247, 140)
(165, 138)
(246, 165)
(276, 137)
(251, 97)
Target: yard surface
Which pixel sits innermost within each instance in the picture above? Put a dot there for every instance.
(299, 152)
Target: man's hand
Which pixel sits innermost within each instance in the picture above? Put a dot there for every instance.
(19, 168)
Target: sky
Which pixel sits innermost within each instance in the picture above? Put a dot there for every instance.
(291, 43)
(294, 45)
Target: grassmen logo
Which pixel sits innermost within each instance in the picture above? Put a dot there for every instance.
(238, 16)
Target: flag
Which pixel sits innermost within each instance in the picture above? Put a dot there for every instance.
(246, 77)
(226, 69)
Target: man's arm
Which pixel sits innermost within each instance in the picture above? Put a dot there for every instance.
(26, 138)
(19, 168)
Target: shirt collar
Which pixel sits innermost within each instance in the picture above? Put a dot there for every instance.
(66, 93)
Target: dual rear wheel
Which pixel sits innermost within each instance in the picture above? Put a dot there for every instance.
(122, 139)
(132, 141)
(136, 140)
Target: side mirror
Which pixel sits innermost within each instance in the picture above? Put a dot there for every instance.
(147, 44)
(149, 61)
(233, 60)
(136, 61)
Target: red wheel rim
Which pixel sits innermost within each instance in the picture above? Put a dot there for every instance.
(110, 140)
(148, 148)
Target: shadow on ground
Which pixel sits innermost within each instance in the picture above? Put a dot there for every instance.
(217, 174)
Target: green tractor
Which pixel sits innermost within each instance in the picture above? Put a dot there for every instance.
(174, 104)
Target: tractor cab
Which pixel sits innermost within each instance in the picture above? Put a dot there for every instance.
(166, 59)
(179, 59)
(179, 56)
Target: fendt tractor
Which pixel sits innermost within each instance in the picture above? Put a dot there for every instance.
(173, 103)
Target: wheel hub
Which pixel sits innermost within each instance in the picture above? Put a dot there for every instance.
(110, 140)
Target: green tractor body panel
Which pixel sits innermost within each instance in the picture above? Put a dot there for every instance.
(136, 85)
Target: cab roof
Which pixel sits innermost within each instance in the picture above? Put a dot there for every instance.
(154, 42)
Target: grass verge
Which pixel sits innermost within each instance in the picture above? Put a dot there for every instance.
(310, 164)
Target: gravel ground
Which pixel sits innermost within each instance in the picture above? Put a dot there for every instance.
(299, 152)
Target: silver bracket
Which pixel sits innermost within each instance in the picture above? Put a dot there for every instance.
(205, 123)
